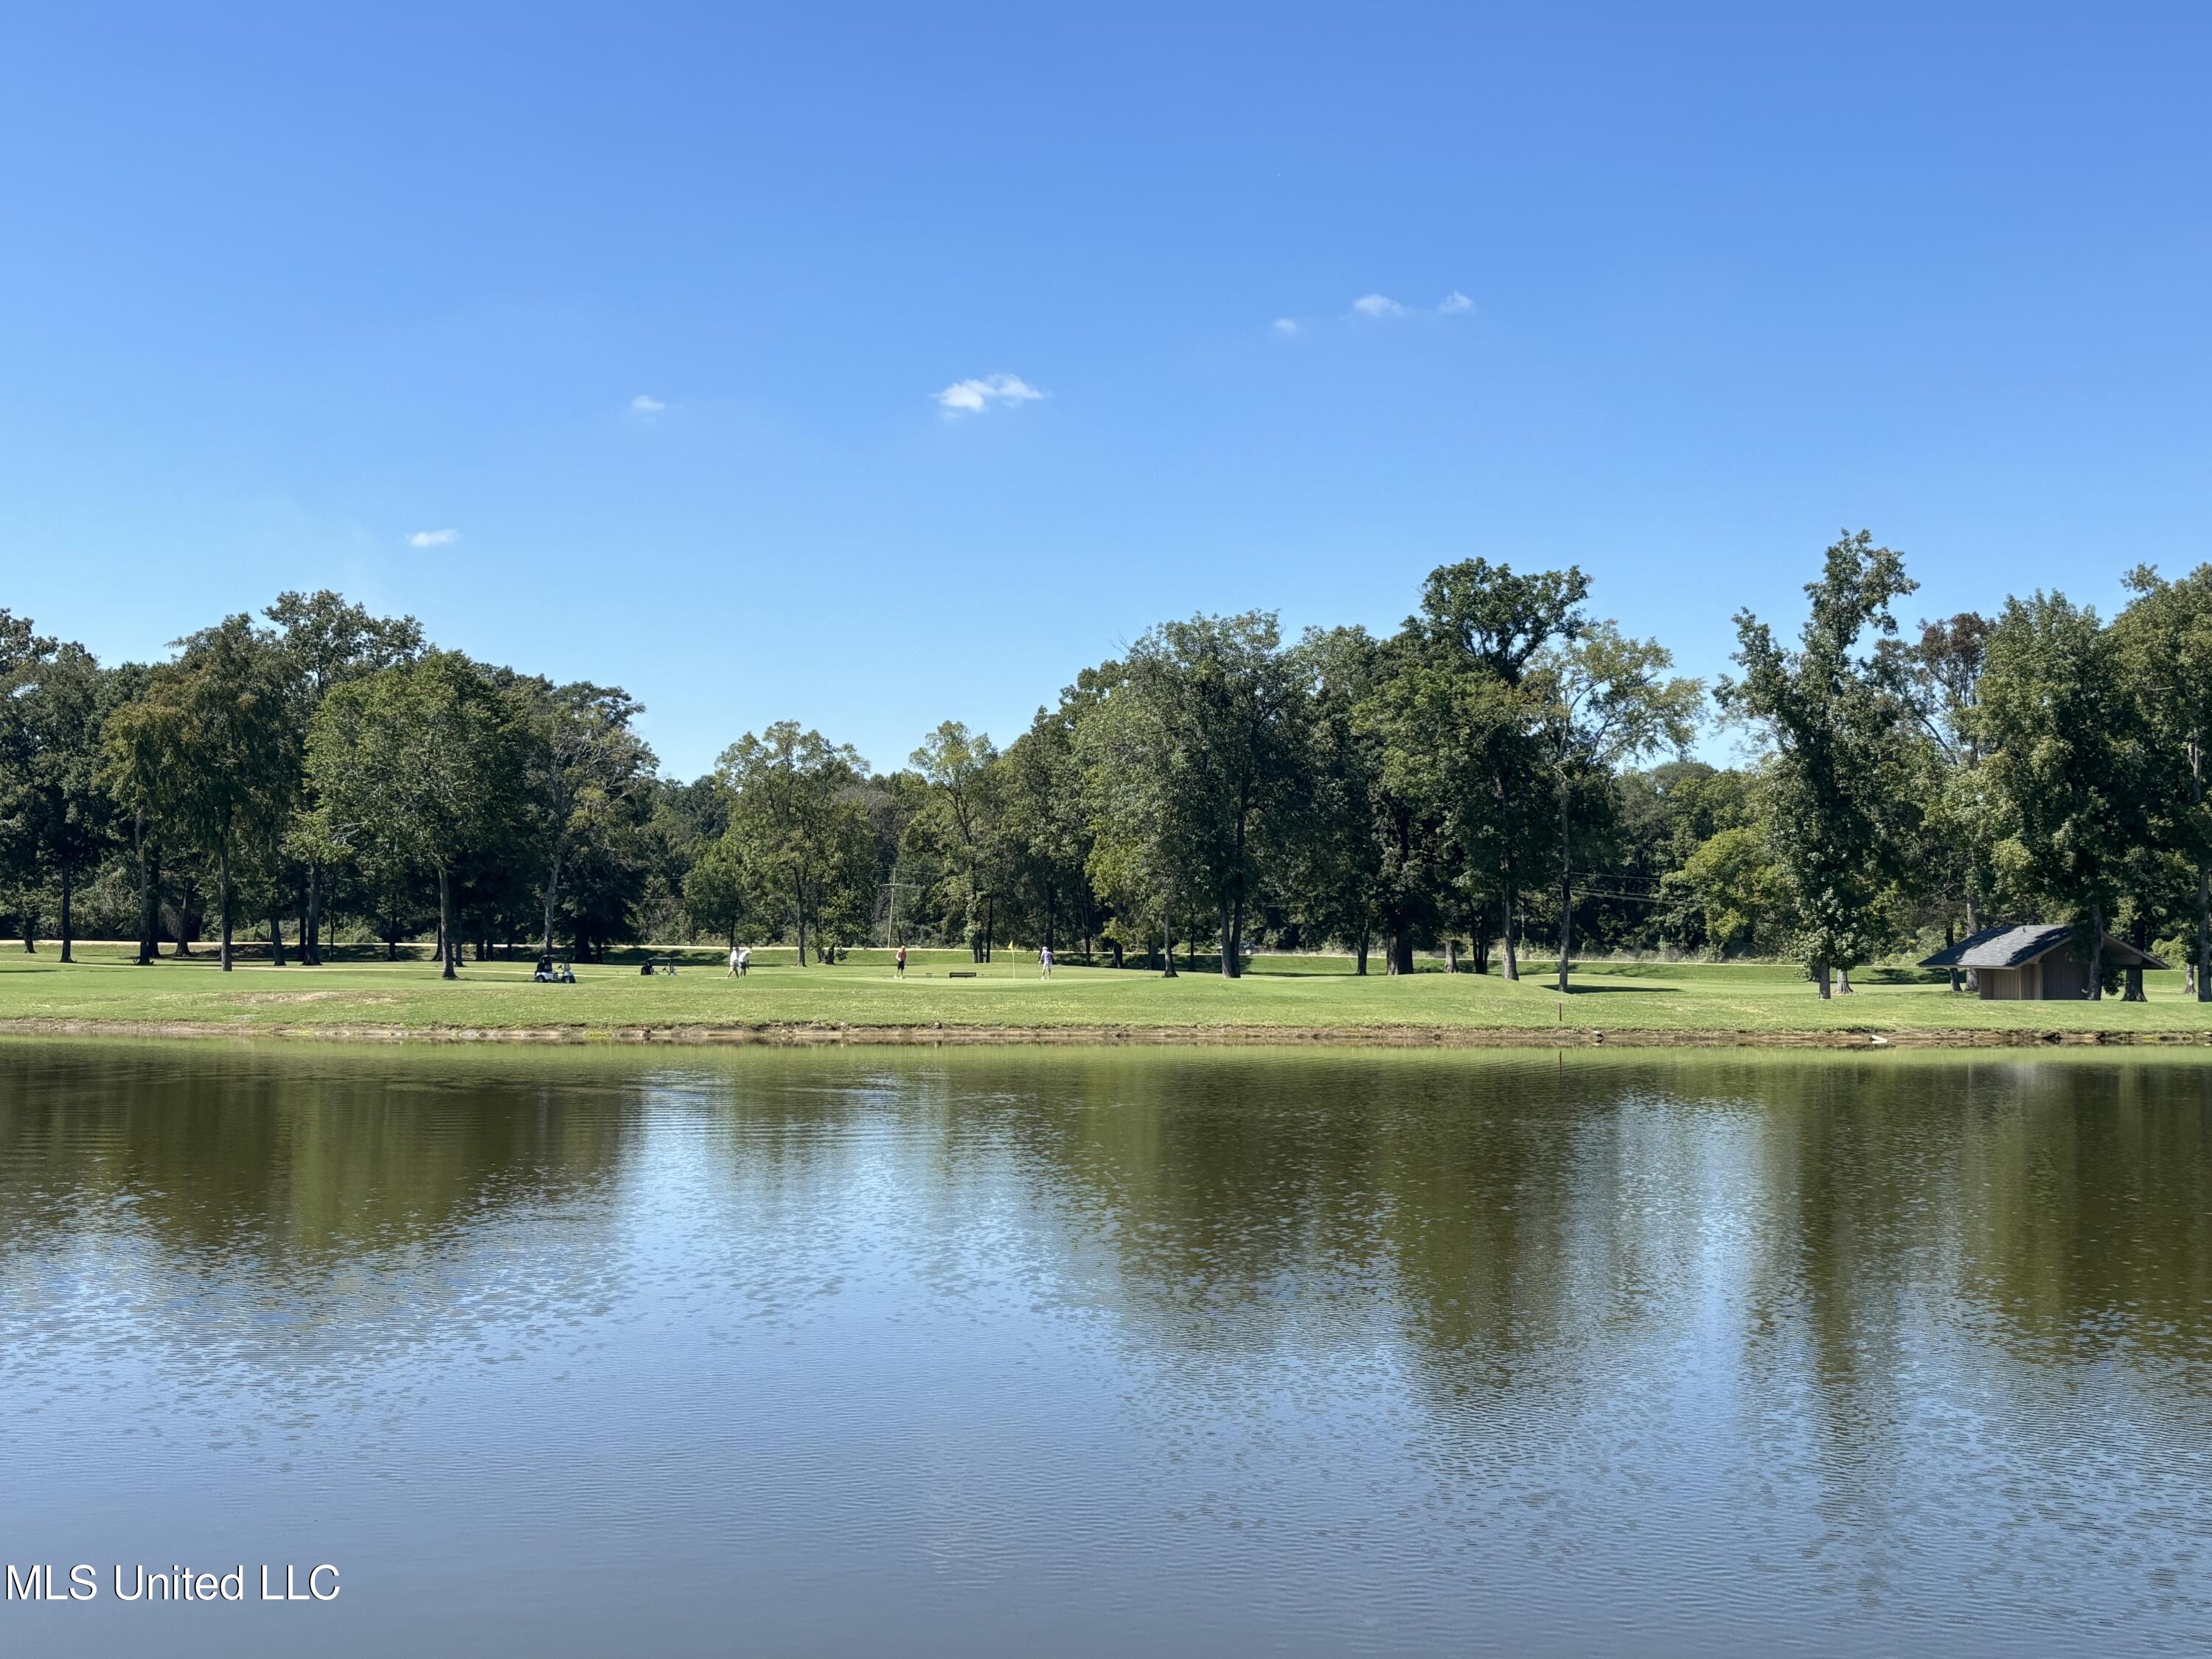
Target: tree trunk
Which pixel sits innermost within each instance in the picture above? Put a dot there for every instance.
(1566, 927)
(1950, 938)
(1236, 937)
(276, 936)
(2203, 963)
(552, 889)
(798, 905)
(67, 893)
(1567, 895)
(2096, 953)
(1451, 956)
(1115, 945)
(1400, 944)
(223, 897)
(1228, 964)
(1167, 940)
(1359, 965)
(2138, 936)
(1512, 949)
(149, 919)
(184, 917)
(311, 930)
(445, 925)
(1820, 979)
(2203, 986)
(1478, 942)
(1843, 988)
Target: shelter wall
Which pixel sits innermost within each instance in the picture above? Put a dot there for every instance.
(2064, 979)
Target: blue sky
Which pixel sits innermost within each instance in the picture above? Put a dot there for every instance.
(653, 309)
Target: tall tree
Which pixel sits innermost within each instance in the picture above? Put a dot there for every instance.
(1203, 735)
(1045, 831)
(415, 763)
(212, 747)
(2165, 637)
(1340, 872)
(69, 816)
(23, 653)
(961, 769)
(330, 641)
(1940, 673)
(1832, 720)
(797, 822)
(1463, 724)
(2071, 761)
(1603, 701)
(589, 775)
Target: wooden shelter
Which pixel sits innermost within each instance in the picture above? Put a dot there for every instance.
(2032, 964)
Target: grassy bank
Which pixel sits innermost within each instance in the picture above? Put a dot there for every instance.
(1295, 998)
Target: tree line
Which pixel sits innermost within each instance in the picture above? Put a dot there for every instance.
(1508, 773)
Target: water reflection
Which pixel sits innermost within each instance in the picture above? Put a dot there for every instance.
(1849, 1352)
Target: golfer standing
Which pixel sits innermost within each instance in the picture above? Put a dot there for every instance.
(1044, 963)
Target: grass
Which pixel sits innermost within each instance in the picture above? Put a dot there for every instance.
(1291, 994)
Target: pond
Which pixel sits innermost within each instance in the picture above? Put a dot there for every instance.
(990, 1353)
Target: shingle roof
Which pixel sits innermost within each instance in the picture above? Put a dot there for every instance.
(2015, 947)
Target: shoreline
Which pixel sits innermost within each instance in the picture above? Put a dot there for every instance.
(795, 1035)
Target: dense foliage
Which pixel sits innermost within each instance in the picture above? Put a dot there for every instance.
(1508, 771)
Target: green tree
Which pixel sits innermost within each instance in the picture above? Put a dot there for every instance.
(718, 890)
(588, 775)
(961, 769)
(1462, 727)
(1939, 673)
(2165, 638)
(413, 767)
(54, 813)
(1833, 721)
(1195, 745)
(798, 823)
(1341, 871)
(330, 641)
(1741, 892)
(2071, 760)
(1045, 831)
(1602, 701)
(211, 747)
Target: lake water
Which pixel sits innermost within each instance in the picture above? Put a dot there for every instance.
(1009, 1353)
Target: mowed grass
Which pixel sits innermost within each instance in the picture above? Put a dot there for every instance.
(1290, 994)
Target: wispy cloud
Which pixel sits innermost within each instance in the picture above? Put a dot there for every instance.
(1455, 302)
(974, 397)
(434, 538)
(642, 404)
(1377, 304)
(1284, 326)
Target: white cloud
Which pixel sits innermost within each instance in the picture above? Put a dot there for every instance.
(642, 404)
(1284, 326)
(1454, 301)
(1377, 304)
(974, 397)
(434, 538)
